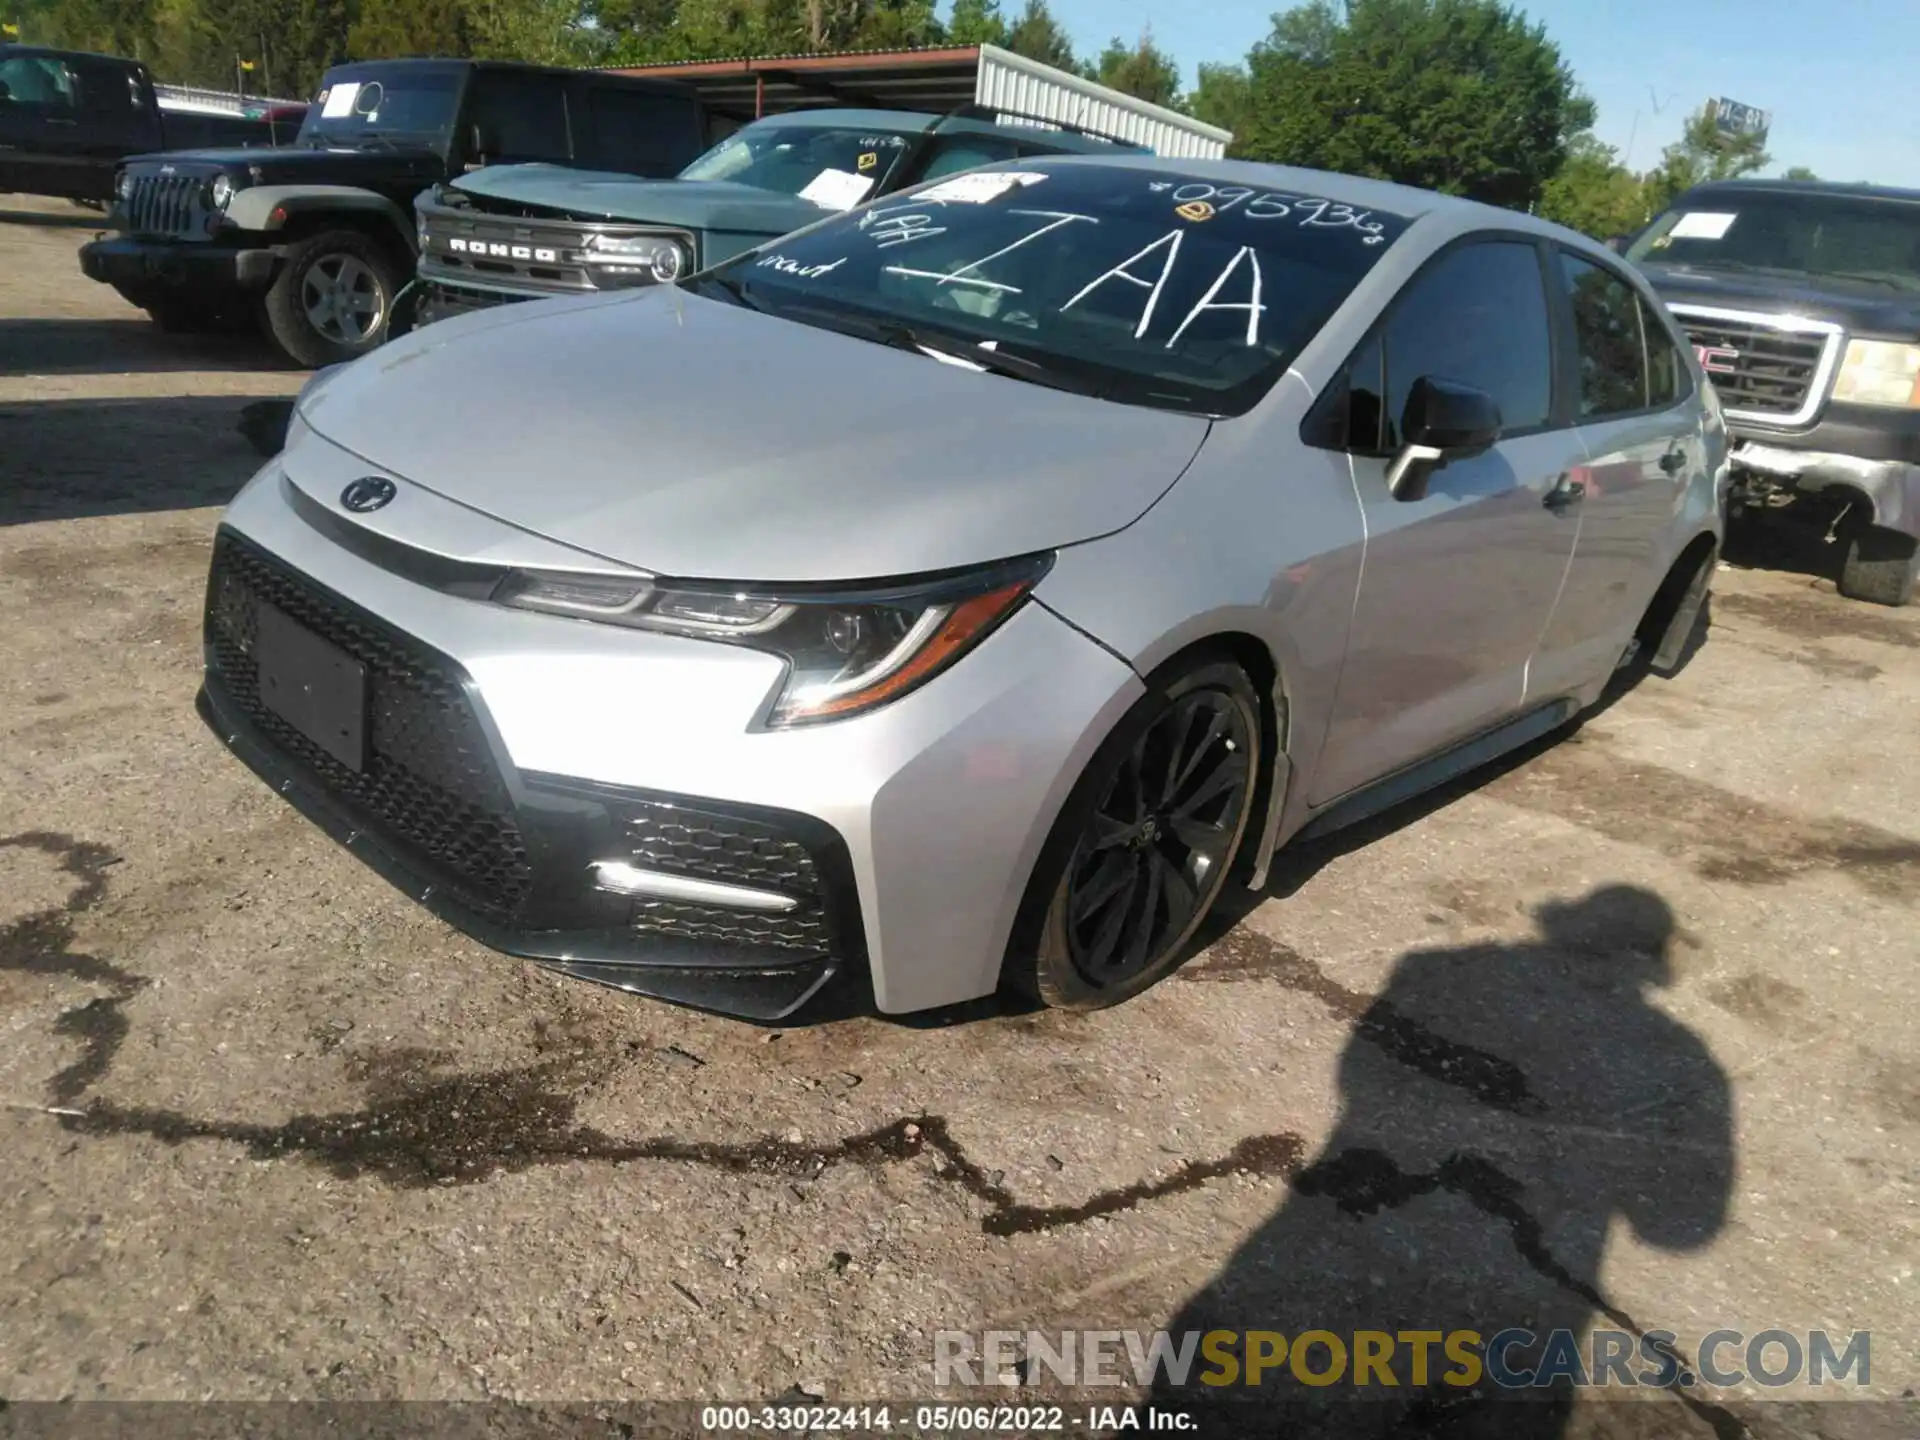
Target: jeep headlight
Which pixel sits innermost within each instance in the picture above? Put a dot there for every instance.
(637, 259)
(123, 185)
(220, 192)
(1879, 372)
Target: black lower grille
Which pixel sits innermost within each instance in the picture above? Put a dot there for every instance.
(733, 850)
(1754, 364)
(444, 300)
(430, 785)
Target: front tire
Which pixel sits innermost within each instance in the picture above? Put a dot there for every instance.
(332, 298)
(1144, 844)
(1881, 566)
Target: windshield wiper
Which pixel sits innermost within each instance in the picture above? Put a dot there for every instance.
(904, 336)
(1892, 280)
(732, 287)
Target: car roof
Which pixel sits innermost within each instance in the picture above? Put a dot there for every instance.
(917, 122)
(1406, 201)
(1840, 189)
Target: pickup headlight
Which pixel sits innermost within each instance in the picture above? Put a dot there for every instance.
(1879, 372)
(638, 259)
(847, 650)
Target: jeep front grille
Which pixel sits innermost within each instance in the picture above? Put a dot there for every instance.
(1773, 369)
(165, 205)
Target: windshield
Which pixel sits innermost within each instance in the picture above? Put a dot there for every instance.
(413, 106)
(834, 168)
(1831, 236)
(1138, 285)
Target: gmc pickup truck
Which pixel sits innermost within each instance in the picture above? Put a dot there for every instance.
(1802, 299)
(68, 118)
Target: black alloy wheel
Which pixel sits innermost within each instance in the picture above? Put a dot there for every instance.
(1144, 845)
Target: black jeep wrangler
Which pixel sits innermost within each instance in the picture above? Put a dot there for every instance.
(1803, 302)
(315, 240)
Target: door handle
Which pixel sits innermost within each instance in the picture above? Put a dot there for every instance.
(1674, 461)
(1566, 492)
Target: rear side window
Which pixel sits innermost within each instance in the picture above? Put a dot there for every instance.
(522, 117)
(1667, 382)
(643, 133)
(1478, 315)
(1608, 332)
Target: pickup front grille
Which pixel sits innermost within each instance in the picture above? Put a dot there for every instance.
(169, 205)
(1768, 368)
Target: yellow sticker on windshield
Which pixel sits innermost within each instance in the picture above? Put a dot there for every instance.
(1195, 210)
(869, 160)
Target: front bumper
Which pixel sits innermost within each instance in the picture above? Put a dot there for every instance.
(919, 823)
(1891, 486)
(131, 264)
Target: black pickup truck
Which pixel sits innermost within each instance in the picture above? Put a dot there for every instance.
(1802, 299)
(68, 118)
(317, 238)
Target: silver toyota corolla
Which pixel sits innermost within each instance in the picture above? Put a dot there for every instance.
(958, 591)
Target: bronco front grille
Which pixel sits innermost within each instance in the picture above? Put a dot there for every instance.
(431, 786)
(159, 204)
(1774, 369)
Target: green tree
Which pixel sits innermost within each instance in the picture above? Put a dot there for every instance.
(1038, 36)
(1221, 97)
(1593, 192)
(1142, 69)
(1799, 172)
(410, 27)
(1702, 153)
(976, 22)
(1461, 96)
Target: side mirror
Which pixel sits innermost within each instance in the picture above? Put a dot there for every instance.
(1443, 420)
(483, 144)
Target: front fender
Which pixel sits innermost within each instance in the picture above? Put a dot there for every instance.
(271, 208)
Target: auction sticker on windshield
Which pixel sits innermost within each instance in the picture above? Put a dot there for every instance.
(836, 189)
(977, 188)
(337, 103)
(1702, 225)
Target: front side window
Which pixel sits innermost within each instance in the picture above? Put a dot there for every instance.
(1612, 346)
(834, 167)
(412, 106)
(36, 80)
(1478, 316)
(1839, 237)
(1147, 287)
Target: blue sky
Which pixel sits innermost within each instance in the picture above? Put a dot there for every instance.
(1838, 75)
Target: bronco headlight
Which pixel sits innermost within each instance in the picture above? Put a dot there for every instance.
(848, 649)
(1879, 372)
(638, 259)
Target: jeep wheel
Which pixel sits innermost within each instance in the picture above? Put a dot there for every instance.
(1881, 566)
(331, 299)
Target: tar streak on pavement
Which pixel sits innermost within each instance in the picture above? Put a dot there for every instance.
(42, 944)
(1244, 954)
(1363, 1181)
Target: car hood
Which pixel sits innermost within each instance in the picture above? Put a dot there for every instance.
(1856, 305)
(596, 194)
(291, 165)
(690, 437)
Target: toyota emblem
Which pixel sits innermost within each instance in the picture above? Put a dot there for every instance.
(368, 493)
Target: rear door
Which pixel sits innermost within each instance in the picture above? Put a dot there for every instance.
(1457, 585)
(39, 126)
(1640, 422)
(113, 117)
(519, 116)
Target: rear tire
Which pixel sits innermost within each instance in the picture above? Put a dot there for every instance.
(1143, 846)
(332, 299)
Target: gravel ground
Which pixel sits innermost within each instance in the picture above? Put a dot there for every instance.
(1621, 1033)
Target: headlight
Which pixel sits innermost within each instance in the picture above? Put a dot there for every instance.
(123, 184)
(1879, 372)
(638, 257)
(220, 192)
(847, 651)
